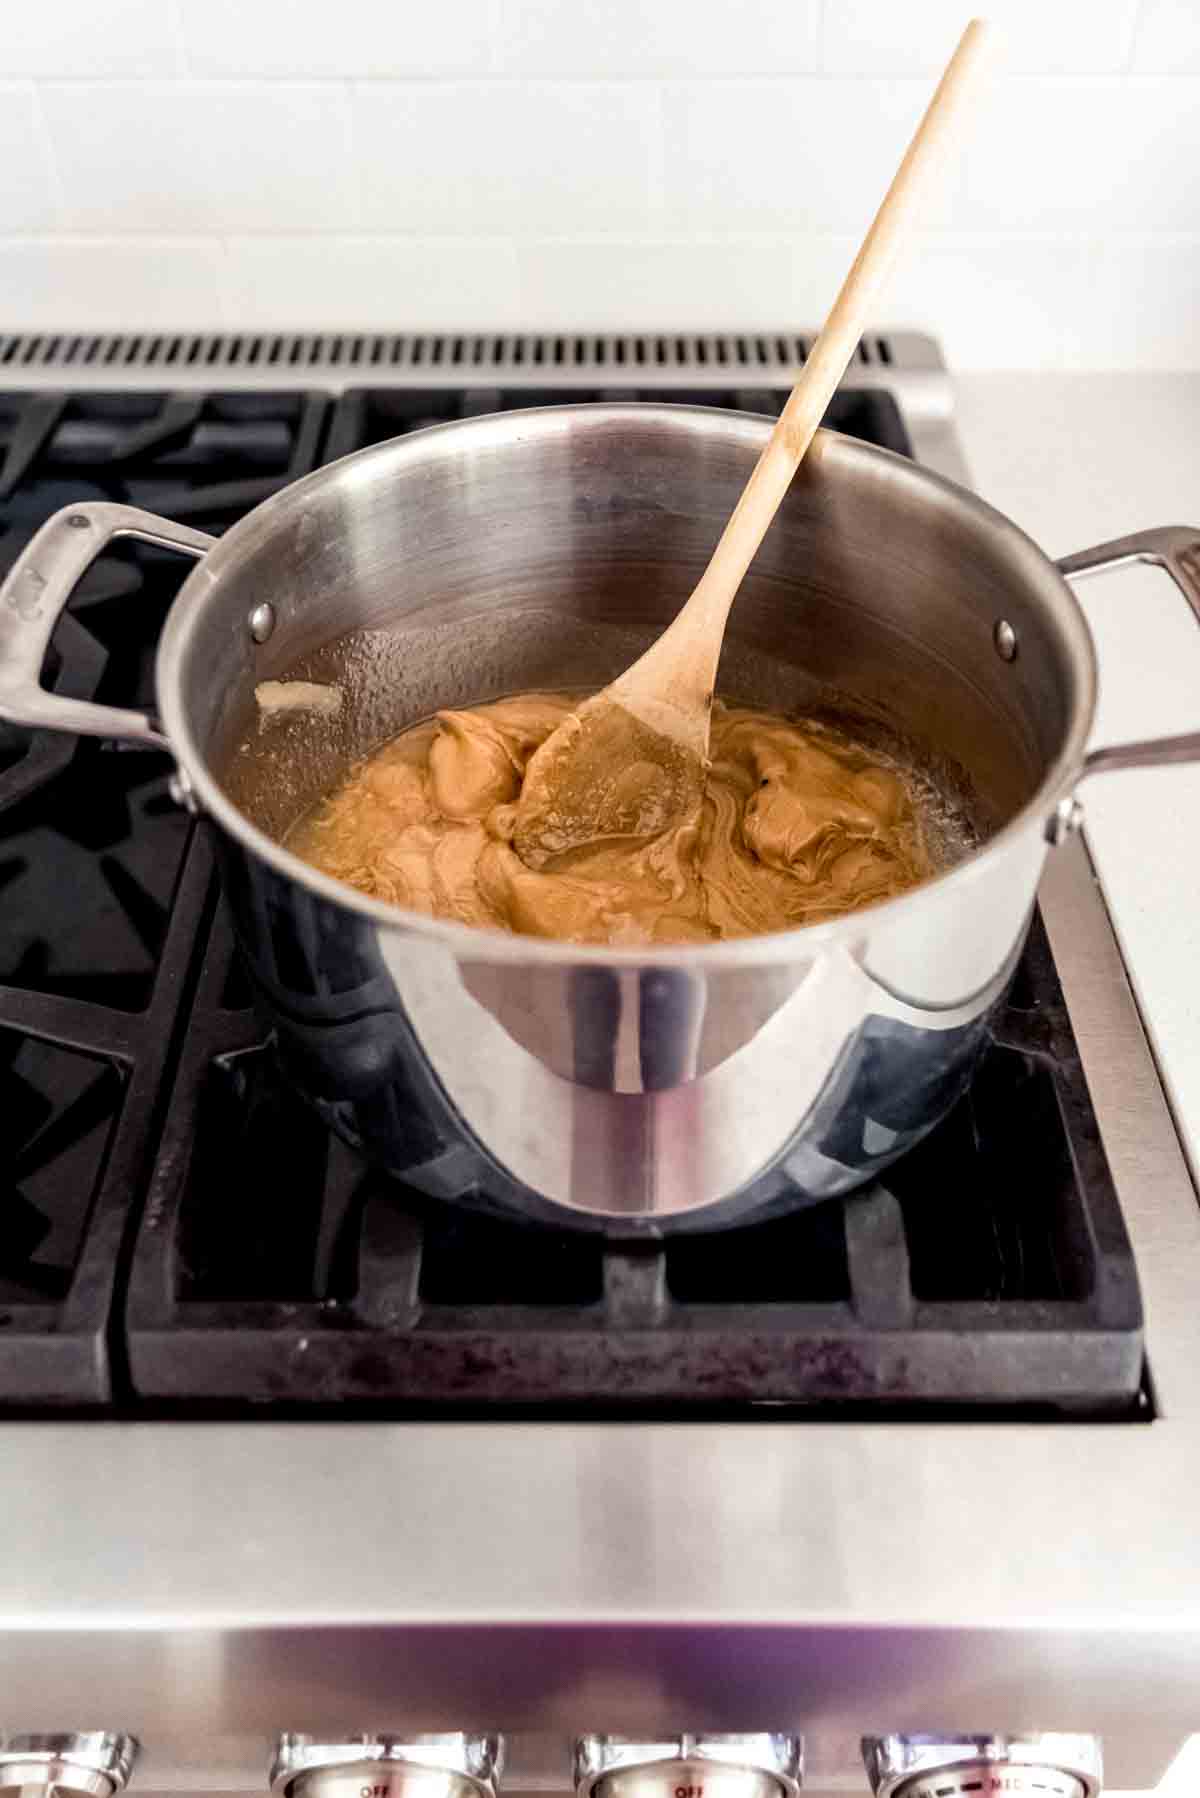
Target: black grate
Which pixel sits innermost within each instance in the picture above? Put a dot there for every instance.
(204, 457)
(80, 1092)
(992, 1268)
(181, 1234)
(365, 415)
(98, 917)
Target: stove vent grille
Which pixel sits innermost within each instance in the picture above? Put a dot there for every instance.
(264, 358)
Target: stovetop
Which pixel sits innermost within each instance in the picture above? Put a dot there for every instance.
(183, 1238)
(206, 1580)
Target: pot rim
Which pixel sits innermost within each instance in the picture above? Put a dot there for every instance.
(469, 942)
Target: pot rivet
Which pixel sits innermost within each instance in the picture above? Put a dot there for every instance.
(1005, 639)
(1064, 821)
(262, 622)
(79, 521)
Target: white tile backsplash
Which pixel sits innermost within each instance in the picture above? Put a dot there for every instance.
(657, 37)
(371, 283)
(283, 39)
(1086, 303)
(92, 39)
(202, 156)
(788, 156)
(1032, 37)
(701, 164)
(161, 283)
(28, 194)
(662, 286)
(505, 159)
(1078, 155)
(1167, 41)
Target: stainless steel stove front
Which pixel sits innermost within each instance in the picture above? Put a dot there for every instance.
(206, 1585)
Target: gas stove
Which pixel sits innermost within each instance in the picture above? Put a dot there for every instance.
(230, 1252)
(268, 1348)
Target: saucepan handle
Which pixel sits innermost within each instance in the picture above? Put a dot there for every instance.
(38, 586)
(1176, 548)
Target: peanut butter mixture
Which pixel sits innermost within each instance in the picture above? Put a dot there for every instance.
(797, 824)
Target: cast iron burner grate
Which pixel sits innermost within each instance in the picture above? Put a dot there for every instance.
(367, 415)
(97, 915)
(178, 1234)
(990, 1267)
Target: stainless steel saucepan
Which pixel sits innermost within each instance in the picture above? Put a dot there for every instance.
(629, 1090)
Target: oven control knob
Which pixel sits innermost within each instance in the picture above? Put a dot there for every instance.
(93, 1763)
(376, 1766)
(1033, 1766)
(689, 1766)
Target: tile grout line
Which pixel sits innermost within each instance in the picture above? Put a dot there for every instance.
(1118, 78)
(1126, 242)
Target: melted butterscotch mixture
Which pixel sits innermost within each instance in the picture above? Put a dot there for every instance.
(798, 823)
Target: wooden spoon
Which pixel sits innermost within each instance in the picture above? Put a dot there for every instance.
(631, 762)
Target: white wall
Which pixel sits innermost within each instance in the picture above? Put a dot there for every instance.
(595, 163)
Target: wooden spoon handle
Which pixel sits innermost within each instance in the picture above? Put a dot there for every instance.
(838, 340)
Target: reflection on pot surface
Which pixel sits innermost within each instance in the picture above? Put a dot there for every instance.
(644, 1096)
